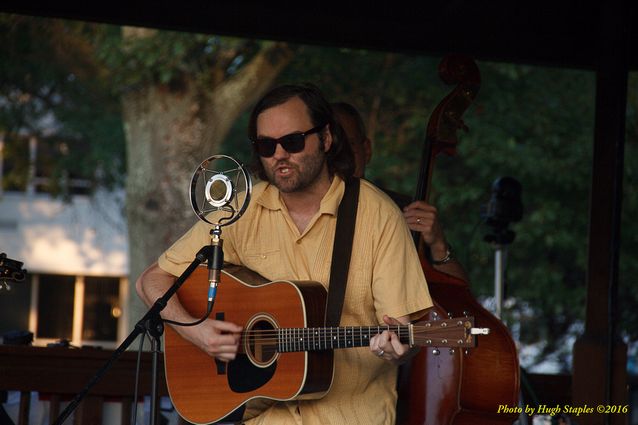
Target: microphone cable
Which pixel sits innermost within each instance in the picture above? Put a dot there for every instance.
(209, 309)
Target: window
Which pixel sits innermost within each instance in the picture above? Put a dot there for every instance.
(101, 308)
(55, 306)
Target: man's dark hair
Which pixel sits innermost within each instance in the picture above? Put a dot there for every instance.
(340, 158)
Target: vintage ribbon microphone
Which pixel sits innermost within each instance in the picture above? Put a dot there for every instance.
(220, 193)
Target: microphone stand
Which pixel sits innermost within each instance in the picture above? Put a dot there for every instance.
(151, 323)
(500, 259)
(499, 240)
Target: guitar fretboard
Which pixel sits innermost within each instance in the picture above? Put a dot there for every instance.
(312, 339)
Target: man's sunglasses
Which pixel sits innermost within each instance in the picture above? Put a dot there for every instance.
(292, 143)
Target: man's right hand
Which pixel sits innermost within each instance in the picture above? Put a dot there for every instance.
(216, 338)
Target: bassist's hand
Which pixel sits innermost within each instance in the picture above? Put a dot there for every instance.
(423, 218)
(217, 338)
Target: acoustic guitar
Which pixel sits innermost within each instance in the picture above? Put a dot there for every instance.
(284, 351)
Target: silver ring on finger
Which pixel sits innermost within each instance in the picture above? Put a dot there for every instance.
(380, 353)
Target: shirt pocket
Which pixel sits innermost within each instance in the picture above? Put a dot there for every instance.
(268, 263)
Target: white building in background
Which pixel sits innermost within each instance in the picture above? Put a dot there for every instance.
(76, 256)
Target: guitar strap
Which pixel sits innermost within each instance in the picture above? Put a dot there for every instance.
(341, 251)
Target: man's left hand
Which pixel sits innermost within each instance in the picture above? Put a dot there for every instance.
(387, 345)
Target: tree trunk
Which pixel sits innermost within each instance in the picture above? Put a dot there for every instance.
(168, 133)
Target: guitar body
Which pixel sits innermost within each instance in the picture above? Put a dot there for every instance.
(204, 390)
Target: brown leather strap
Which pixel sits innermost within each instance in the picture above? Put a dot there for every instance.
(341, 251)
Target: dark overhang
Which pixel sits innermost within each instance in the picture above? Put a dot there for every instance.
(541, 32)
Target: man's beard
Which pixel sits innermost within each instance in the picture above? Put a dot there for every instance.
(302, 175)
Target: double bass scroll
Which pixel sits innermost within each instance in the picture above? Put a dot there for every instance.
(446, 119)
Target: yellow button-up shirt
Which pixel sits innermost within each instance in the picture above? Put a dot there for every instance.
(385, 277)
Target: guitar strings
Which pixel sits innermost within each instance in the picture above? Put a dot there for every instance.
(352, 331)
(298, 335)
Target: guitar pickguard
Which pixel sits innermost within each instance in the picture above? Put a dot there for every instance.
(244, 376)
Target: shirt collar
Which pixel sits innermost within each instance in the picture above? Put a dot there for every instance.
(270, 197)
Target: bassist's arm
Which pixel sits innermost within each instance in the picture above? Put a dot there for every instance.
(423, 218)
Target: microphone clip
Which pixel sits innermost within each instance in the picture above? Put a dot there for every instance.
(215, 262)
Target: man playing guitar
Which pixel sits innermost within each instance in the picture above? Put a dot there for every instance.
(287, 232)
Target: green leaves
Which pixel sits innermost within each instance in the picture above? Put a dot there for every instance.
(147, 56)
(53, 88)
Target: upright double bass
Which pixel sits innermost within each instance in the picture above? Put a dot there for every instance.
(454, 387)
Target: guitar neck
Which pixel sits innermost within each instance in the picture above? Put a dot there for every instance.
(454, 332)
(289, 340)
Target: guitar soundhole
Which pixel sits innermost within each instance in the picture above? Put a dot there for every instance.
(261, 340)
